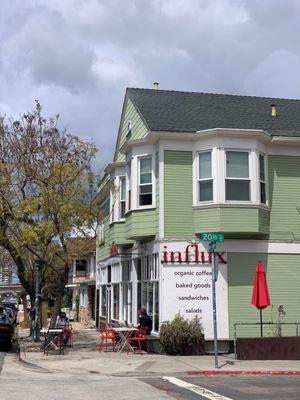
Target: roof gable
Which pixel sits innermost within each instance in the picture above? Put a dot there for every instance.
(139, 128)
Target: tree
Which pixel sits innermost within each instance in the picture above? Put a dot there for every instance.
(46, 193)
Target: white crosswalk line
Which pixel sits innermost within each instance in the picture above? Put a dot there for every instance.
(196, 389)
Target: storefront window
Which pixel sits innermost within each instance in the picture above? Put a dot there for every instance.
(127, 290)
(116, 297)
(149, 288)
(156, 305)
(127, 302)
(103, 301)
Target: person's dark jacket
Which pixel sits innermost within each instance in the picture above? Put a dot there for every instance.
(146, 322)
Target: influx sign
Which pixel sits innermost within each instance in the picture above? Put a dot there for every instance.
(191, 255)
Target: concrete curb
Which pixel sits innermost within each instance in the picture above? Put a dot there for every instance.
(241, 372)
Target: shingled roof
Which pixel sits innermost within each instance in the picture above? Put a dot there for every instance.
(174, 111)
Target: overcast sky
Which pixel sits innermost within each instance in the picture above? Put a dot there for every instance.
(78, 56)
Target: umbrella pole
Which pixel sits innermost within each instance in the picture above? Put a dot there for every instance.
(261, 323)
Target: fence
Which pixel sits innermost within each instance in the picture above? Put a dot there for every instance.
(278, 324)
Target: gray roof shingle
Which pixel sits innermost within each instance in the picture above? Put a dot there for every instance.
(167, 110)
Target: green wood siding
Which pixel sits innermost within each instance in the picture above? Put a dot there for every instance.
(118, 231)
(102, 250)
(156, 170)
(283, 276)
(139, 128)
(284, 192)
(140, 224)
(254, 221)
(113, 233)
(178, 195)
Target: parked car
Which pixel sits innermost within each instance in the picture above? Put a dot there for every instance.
(7, 330)
(12, 311)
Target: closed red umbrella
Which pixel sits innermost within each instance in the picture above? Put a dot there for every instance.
(260, 295)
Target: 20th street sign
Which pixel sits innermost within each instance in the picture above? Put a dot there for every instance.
(212, 237)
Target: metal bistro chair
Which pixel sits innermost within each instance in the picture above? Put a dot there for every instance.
(107, 335)
(68, 336)
(139, 337)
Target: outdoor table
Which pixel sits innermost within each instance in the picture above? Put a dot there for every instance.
(50, 336)
(124, 333)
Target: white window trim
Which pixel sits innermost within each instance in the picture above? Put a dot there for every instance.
(119, 197)
(128, 185)
(266, 181)
(219, 177)
(249, 179)
(206, 179)
(137, 182)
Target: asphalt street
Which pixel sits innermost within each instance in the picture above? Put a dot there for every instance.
(41, 383)
(229, 387)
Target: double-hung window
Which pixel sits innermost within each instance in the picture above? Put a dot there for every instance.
(129, 186)
(122, 197)
(237, 185)
(262, 179)
(145, 181)
(205, 177)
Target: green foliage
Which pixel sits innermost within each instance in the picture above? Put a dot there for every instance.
(177, 335)
(277, 330)
(46, 193)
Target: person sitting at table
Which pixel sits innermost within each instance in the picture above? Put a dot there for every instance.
(61, 321)
(145, 321)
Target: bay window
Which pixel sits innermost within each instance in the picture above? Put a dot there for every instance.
(237, 181)
(205, 177)
(145, 181)
(262, 179)
(122, 197)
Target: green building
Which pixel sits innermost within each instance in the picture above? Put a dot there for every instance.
(188, 163)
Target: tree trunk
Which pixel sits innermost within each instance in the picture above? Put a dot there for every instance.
(26, 320)
(59, 295)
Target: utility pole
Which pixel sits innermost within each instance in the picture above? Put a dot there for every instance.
(37, 303)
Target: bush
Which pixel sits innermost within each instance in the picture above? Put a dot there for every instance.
(181, 337)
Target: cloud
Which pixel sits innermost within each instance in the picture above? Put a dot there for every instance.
(78, 56)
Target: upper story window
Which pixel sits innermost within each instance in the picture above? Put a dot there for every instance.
(101, 232)
(128, 207)
(205, 177)
(262, 179)
(237, 181)
(145, 181)
(81, 265)
(122, 197)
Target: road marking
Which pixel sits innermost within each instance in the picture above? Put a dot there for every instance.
(196, 389)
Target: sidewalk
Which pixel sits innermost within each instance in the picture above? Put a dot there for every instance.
(85, 359)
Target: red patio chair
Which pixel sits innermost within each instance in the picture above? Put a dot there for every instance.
(139, 337)
(107, 335)
(68, 335)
